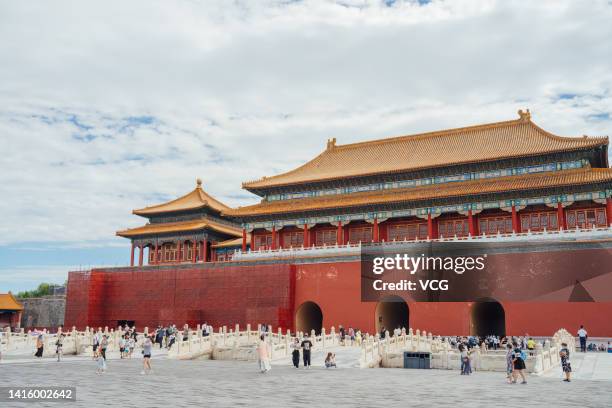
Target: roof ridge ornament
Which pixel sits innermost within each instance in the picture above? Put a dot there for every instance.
(331, 143)
(524, 115)
(198, 183)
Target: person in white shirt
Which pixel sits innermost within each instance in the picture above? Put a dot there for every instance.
(582, 335)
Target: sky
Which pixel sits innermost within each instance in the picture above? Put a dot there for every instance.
(108, 106)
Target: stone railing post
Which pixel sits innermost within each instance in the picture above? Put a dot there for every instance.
(323, 338)
(248, 336)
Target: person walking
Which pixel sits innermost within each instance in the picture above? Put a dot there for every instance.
(147, 350)
(564, 353)
(103, 347)
(582, 335)
(40, 345)
(263, 353)
(59, 346)
(509, 363)
(306, 348)
(295, 354)
(518, 362)
(95, 344)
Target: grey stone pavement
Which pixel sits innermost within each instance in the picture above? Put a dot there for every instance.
(235, 384)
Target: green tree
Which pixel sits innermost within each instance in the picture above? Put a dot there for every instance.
(44, 289)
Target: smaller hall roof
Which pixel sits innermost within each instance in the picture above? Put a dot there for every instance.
(8, 302)
(236, 242)
(194, 200)
(180, 226)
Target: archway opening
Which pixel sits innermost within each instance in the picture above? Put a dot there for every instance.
(488, 317)
(392, 313)
(309, 317)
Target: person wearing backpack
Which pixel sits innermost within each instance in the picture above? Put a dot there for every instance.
(518, 362)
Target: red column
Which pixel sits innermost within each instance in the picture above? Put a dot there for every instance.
(306, 241)
(375, 232)
(516, 226)
(193, 251)
(179, 255)
(140, 255)
(156, 254)
(430, 231)
(244, 240)
(132, 255)
(561, 216)
(609, 210)
(205, 257)
(339, 233)
(253, 240)
(273, 237)
(472, 230)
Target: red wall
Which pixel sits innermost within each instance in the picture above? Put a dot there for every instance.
(150, 296)
(226, 295)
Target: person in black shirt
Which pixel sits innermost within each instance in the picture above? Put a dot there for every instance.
(306, 347)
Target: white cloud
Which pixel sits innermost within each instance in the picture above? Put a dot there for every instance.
(112, 106)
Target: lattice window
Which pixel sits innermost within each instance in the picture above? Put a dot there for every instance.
(586, 218)
(407, 231)
(263, 241)
(360, 234)
(325, 237)
(493, 225)
(539, 221)
(450, 228)
(293, 239)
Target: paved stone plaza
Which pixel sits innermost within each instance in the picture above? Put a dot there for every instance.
(228, 383)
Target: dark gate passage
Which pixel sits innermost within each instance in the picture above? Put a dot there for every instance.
(488, 317)
(309, 317)
(391, 313)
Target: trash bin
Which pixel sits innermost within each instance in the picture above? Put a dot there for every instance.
(417, 360)
(411, 360)
(425, 360)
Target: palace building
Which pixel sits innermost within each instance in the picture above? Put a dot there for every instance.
(291, 259)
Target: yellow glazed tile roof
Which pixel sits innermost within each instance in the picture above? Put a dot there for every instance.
(197, 198)
(493, 185)
(514, 138)
(237, 242)
(182, 226)
(8, 302)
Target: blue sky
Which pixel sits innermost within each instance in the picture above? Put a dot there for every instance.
(110, 106)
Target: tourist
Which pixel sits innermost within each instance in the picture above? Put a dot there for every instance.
(40, 344)
(582, 335)
(131, 345)
(95, 345)
(351, 333)
(295, 354)
(171, 340)
(330, 360)
(263, 354)
(122, 347)
(531, 345)
(159, 336)
(465, 361)
(101, 364)
(518, 362)
(205, 331)
(382, 333)
(510, 363)
(147, 350)
(103, 346)
(185, 332)
(564, 353)
(59, 346)
(342, 335)
(306, 347)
